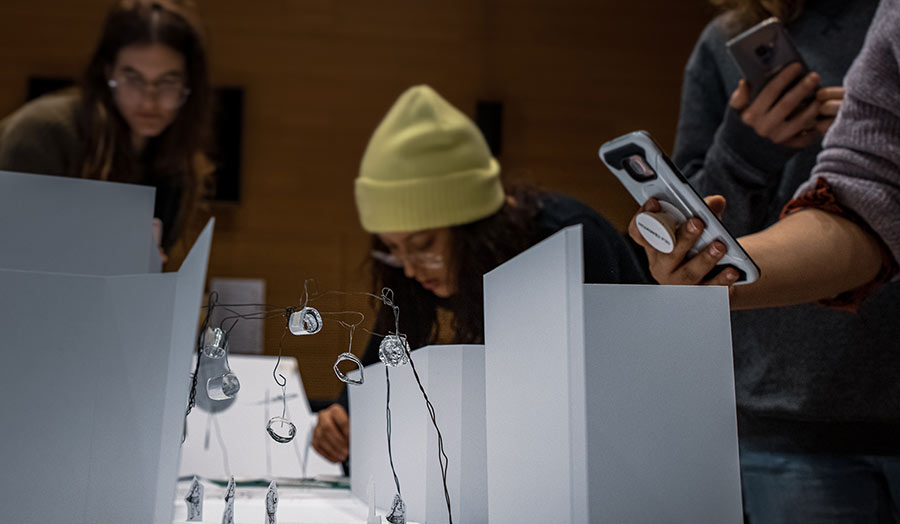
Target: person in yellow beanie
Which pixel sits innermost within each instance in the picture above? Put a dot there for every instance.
(430, 193)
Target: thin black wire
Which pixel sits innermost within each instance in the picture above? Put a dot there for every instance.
(387, 378)
(387, 297)
(443, 460)
(192, 397)
(275, 374)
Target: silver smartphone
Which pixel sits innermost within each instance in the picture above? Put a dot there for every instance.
(762, 52)
(646, 172)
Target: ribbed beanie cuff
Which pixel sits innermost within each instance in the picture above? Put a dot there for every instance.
(450, 200)
(426, 166)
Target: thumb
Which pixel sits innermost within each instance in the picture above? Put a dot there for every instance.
(740, 98)
(716, 204)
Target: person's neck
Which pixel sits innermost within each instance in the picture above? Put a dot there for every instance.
(138, 142)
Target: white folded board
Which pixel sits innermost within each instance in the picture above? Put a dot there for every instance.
(94, 376)
(233, 432)
(453, 377)
(606, 403)
(72, 225)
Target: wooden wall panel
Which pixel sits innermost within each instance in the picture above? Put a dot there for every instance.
(319, 75)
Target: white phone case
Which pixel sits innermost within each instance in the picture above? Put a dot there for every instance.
(667, 184)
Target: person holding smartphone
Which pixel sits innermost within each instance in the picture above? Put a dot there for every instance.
(817, 393)
(138, 116)
(430, 194)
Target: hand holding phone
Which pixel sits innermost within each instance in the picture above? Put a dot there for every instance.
(647, 173)
(777, 96)
(762, 52)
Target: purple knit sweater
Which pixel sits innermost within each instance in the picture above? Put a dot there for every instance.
(861, 155)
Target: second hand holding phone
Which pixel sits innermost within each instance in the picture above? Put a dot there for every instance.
(646, 172)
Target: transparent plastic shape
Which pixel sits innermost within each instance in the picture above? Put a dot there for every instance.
(223, 387)
(307, 321)
(215, 348)
(281, 430)
(340, 374)
(394, 351)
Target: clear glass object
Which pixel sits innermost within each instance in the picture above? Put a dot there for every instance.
(215, 348)
(394, 351)
(223, 387)
(281, 430)
(307, 321)
(343, 377)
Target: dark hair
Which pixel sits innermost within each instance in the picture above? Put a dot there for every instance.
(742, 14)
(175, 157)
(476, 248)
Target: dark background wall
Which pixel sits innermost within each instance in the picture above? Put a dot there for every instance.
(318, 75)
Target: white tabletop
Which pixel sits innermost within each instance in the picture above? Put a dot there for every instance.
(295, 505)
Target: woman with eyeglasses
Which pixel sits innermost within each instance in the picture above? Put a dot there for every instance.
(430, 193)
(139, 115)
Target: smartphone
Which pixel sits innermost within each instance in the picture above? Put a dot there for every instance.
(646, 172)
(762, 51)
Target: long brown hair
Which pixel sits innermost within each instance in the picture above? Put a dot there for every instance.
(742, 14)
(476, 248)
(175, 157)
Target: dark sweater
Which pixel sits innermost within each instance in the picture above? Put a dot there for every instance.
(808, 378)
(608, 257)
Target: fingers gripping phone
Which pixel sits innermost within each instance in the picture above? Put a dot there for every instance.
(646, 172)
(762, 51)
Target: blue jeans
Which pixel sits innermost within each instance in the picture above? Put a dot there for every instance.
(809, 489)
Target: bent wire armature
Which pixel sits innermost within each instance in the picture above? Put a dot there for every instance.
(394, 351)
(280, 428)
(307, 321)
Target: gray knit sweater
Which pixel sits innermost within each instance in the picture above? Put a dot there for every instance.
(861, 159)
(808, 378)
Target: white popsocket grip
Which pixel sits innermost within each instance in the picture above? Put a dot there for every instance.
(658, 228)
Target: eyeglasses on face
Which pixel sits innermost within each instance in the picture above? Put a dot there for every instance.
(169, 92)
(423, 260)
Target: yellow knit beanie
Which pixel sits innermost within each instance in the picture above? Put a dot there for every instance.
(426, 166)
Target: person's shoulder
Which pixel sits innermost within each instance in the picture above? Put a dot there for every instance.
(558, 211)
(718, 31)
(48, 114)
(710, 54)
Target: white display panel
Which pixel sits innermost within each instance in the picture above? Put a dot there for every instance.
(453, 377)
(96, 352)
(606, 403)
(73, 225)
(92, 390)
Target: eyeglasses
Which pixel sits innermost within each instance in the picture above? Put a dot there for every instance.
(424, 260)
(170, 93)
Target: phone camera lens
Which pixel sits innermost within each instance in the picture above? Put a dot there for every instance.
(638, 168)
(765, 52)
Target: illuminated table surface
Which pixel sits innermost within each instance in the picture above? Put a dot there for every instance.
(296, 504)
